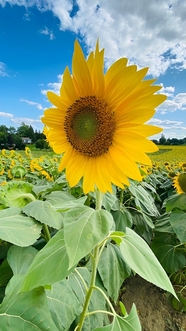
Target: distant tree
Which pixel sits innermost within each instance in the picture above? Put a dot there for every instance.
(155, 141)
(162, 140)
(31, 134)
(39, 135)
(41, 143)
(23, 130)
(18, 142)
(4, 129)
(11, 130)
(174, 141)
(3, 140)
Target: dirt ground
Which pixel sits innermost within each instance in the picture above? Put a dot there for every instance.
(155, 311)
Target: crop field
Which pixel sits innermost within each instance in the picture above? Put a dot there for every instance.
(47, 226)
(171, 154)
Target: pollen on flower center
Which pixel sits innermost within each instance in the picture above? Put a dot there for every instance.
(89, 126)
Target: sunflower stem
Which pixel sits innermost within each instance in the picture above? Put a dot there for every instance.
(95, 259)
(99, 199)
(46, 231)
(91, 288)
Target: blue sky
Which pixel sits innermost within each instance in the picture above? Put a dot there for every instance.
(36, 44)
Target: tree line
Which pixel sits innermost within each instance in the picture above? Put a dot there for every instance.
(170, 141)
(11, 138)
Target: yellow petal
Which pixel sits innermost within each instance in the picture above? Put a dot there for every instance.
(82, 78)
(67, 91)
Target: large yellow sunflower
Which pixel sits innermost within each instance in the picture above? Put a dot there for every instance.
(179, 183)
(98, 121)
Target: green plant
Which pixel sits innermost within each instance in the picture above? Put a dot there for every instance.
(66, 255)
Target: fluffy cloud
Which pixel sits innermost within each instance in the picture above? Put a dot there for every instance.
(47, 32)
(8, 115)
(32, 103)
(150, 33)
(17, 121)
(54, 87)
(173, 102)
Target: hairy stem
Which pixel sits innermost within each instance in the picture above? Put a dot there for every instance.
(46, 231)
(91, 288)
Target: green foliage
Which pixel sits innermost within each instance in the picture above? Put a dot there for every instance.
(64, 258)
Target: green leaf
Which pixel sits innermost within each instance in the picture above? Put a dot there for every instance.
(25, 311)
(44, 212)
(63, 304)
(50, 265)
(129, 323)
(5, 273)
(63, 201)
(17, 228)
(110, 201)
(141, 259)
(97, 301)
(18, 194)
(143, 200)
(178, 222)
(20, 259)
(122, 219)
(163, 224)
(171, 257)
(113, 270)
(176, 202)
(84, 228)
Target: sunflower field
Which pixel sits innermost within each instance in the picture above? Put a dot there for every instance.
(44, 278)
(76, 224)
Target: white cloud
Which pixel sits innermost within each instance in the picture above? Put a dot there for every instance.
(3, 114)
(32, 103)
(3, 71)
(47, 32)
(28, 121)
(150, 33)
(171, 129)
(173, 102)
(54, 87)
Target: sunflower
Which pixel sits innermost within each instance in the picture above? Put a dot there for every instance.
(179, 183)
(98, 121)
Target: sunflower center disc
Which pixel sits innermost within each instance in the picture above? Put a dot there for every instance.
(182, 182)
(89, 126)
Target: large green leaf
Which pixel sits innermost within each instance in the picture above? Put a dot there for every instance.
(5, 273)
(17, 228)
(20, 259)
(163, 224)
(123, 219)
(44, 212)
(50, 265)
(25, 311)
(178, 222)
(84, 228)
(142, 260)
(113, 270)
(97, 301)
(63, 201)
(143, 200)
(177, 201)
(171, 257)
(64, 305)
(18, 193)
(128, 323)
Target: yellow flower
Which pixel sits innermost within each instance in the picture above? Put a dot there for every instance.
(179, 183)
(28, 151)
(98, 121)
